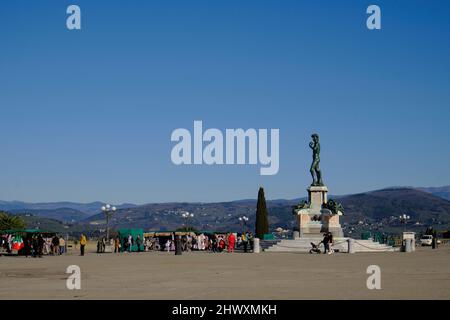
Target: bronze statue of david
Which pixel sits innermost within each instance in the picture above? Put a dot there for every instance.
(316, 174)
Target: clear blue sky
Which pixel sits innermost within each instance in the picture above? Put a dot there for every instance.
(87, 115)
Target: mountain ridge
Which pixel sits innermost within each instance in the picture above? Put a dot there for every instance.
(377, 205)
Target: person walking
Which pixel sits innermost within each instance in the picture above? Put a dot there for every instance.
(46, 249)
(231, 242)
(62, 246)
(326, 243)
(244, 239)
(83, 242)
(138, 243)
(55, 245)
(99, 246)
(130, 243)
(34, 246)
(189, 243)
(214, 243)
(250, 240)
(103, 244)
(168, 245)
(434, 243)
(10, 242)
(330, 243)
(221, 244)
(117, 245)
(40, 243)
(26, 246)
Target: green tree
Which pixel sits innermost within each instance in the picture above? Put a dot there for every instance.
(262, 221)
(8, 221)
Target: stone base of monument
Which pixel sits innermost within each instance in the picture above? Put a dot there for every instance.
(314, 219)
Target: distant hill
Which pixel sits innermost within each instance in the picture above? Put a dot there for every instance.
(421, 206)
(61, 214)
(426, 206)
(52, 208)
(222, 216)
(443, 192)
(87, 208)
(377, 205)
(167, 216)
(36, 222)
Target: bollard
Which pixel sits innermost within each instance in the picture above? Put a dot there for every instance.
(351, 245)
(408, 245)
(256, 246)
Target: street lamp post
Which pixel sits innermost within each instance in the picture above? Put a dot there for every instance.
(244, 221)
(186, 215)
(108, 210)
(404, 219)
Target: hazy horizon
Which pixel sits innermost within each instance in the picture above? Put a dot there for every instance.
(220, 201)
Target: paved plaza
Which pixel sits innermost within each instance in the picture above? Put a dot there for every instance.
(424, 274)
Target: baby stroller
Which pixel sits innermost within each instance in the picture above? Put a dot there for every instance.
(315, 248)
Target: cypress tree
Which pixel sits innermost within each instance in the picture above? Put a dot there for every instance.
(262, 222)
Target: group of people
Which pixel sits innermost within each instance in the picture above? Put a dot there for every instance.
(35, 245)
(127, 244)
(124, 244)
(189, 242)
(212, 243)
(120, 244)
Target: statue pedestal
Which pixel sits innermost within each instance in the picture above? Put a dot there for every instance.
(313, 220)
(317, 197)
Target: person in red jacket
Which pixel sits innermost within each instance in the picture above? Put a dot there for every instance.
(231, 242)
